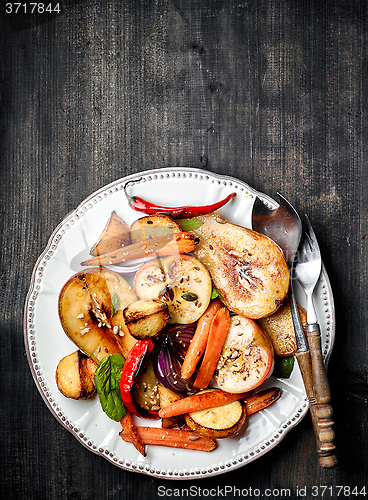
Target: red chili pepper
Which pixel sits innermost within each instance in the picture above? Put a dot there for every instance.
(132, 365)
(146, 207)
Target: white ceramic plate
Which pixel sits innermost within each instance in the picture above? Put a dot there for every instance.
(46, 342)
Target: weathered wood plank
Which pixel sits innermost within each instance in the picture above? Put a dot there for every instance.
(274, 93)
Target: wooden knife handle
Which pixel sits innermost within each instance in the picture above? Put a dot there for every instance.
(320, 382)
(321, 416)
(325, 437)
(305, 365)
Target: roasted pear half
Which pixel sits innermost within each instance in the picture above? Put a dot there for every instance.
(247, 268)
(88, 303)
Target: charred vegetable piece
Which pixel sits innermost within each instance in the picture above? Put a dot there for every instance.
(146, 318)
(73, 376)
(280, 328)
(202, 400)
(198, 344)
(137, 356)
(176, 438)
(218, 422)
(262, 399)
(85, 306)
(216, 338)
(247, 358)
(130, 430)
(247, 268)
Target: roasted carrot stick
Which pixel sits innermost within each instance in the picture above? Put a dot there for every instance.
(216, 338)
(131, 431)
(200, 401)
(176, 438)
(198, 343)
(160, 246)
(262, 399)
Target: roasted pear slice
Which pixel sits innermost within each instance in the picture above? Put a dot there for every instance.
(80, 316)
(246, 359)
(247, 268)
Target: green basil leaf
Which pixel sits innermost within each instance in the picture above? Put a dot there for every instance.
(283, 367)
(107, 380)
(189, 224)
(215, 294)
(115, 304)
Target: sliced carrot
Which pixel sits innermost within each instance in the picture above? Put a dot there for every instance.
(130, 429)
(200, 401)
(216, 338)
(160, 246)
(262, 399)
(198, 343)
(175, 438)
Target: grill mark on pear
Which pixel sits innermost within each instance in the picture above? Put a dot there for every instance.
(245, 273)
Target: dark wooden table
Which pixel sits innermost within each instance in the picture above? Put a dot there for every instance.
(272, 92)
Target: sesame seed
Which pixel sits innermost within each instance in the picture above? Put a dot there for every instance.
(80, 316)
(193, 438)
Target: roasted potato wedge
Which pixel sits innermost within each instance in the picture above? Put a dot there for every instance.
(280, 328)
(115, 235)
(74, 376)
(247, 268)
(167, 397)
(81, 313)
(219, 422)
(153, 226)
(146, 318)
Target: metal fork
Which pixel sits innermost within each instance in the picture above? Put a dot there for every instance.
(307, 272)
(308, 268)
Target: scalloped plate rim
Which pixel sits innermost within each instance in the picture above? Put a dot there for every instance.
(135, 467)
